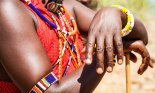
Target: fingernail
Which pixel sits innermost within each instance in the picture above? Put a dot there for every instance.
(99, 70)
(88, 61)
(151, 65)
(140, 72)
(109, 69)
(120, 61)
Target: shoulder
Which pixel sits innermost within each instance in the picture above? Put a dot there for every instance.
(15, 18)
(15, 21)
(11, 6)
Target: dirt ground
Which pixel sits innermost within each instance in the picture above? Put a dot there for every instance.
(115, 82)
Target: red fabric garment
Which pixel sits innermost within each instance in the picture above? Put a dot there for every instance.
(49, 39)
(8, 87)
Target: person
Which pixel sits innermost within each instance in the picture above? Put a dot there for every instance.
(34, 44)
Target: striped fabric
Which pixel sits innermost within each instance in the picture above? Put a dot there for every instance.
(44, 83)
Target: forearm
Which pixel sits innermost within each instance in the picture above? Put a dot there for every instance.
(139, 31)
(82, 80)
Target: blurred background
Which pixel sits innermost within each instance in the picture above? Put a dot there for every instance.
(115, 82)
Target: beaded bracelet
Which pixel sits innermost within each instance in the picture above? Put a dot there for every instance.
(130, 20)
(44, 83)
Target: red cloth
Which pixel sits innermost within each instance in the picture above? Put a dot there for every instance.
(8, 87)
(49, 40)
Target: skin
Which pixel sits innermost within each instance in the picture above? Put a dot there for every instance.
(103, 38)
(106, 36)
(25, 62)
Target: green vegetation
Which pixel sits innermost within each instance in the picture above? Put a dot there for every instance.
(140, 8)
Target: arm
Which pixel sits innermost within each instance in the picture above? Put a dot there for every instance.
(84, 17)
(103, 29)
(24, 58)
(139, 32)
(82, 80)
(20, 50)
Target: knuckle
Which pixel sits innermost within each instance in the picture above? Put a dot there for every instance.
(148, 58)
(99, 50)
(109, 49)
(118, 42)
(100, 31)
(89, 44)
(119, 45)
(111, 63)
(117, 31)
(119, 55)
(88, 55)
(100, 63)
(94, 29)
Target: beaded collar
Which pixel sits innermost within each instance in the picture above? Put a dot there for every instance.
(54, 5)
(68, 29)
(57, 1)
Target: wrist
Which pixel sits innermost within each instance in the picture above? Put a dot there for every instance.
(130, 20)
(123, 18)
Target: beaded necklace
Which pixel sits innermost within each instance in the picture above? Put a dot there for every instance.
(68, 29)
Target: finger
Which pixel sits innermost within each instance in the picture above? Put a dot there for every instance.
(119, 47)
(133, 57)
(100, 54)
(151, 62)
(89, 48)
(143, 66)
(140, 48)
(109, 53)
(142, 69)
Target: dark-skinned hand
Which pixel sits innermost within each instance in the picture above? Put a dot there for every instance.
(138, 47)
(105, 33)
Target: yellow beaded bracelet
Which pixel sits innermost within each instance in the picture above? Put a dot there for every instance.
(130, 20)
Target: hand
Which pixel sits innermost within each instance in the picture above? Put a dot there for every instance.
(105, 33)
(139, 47)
